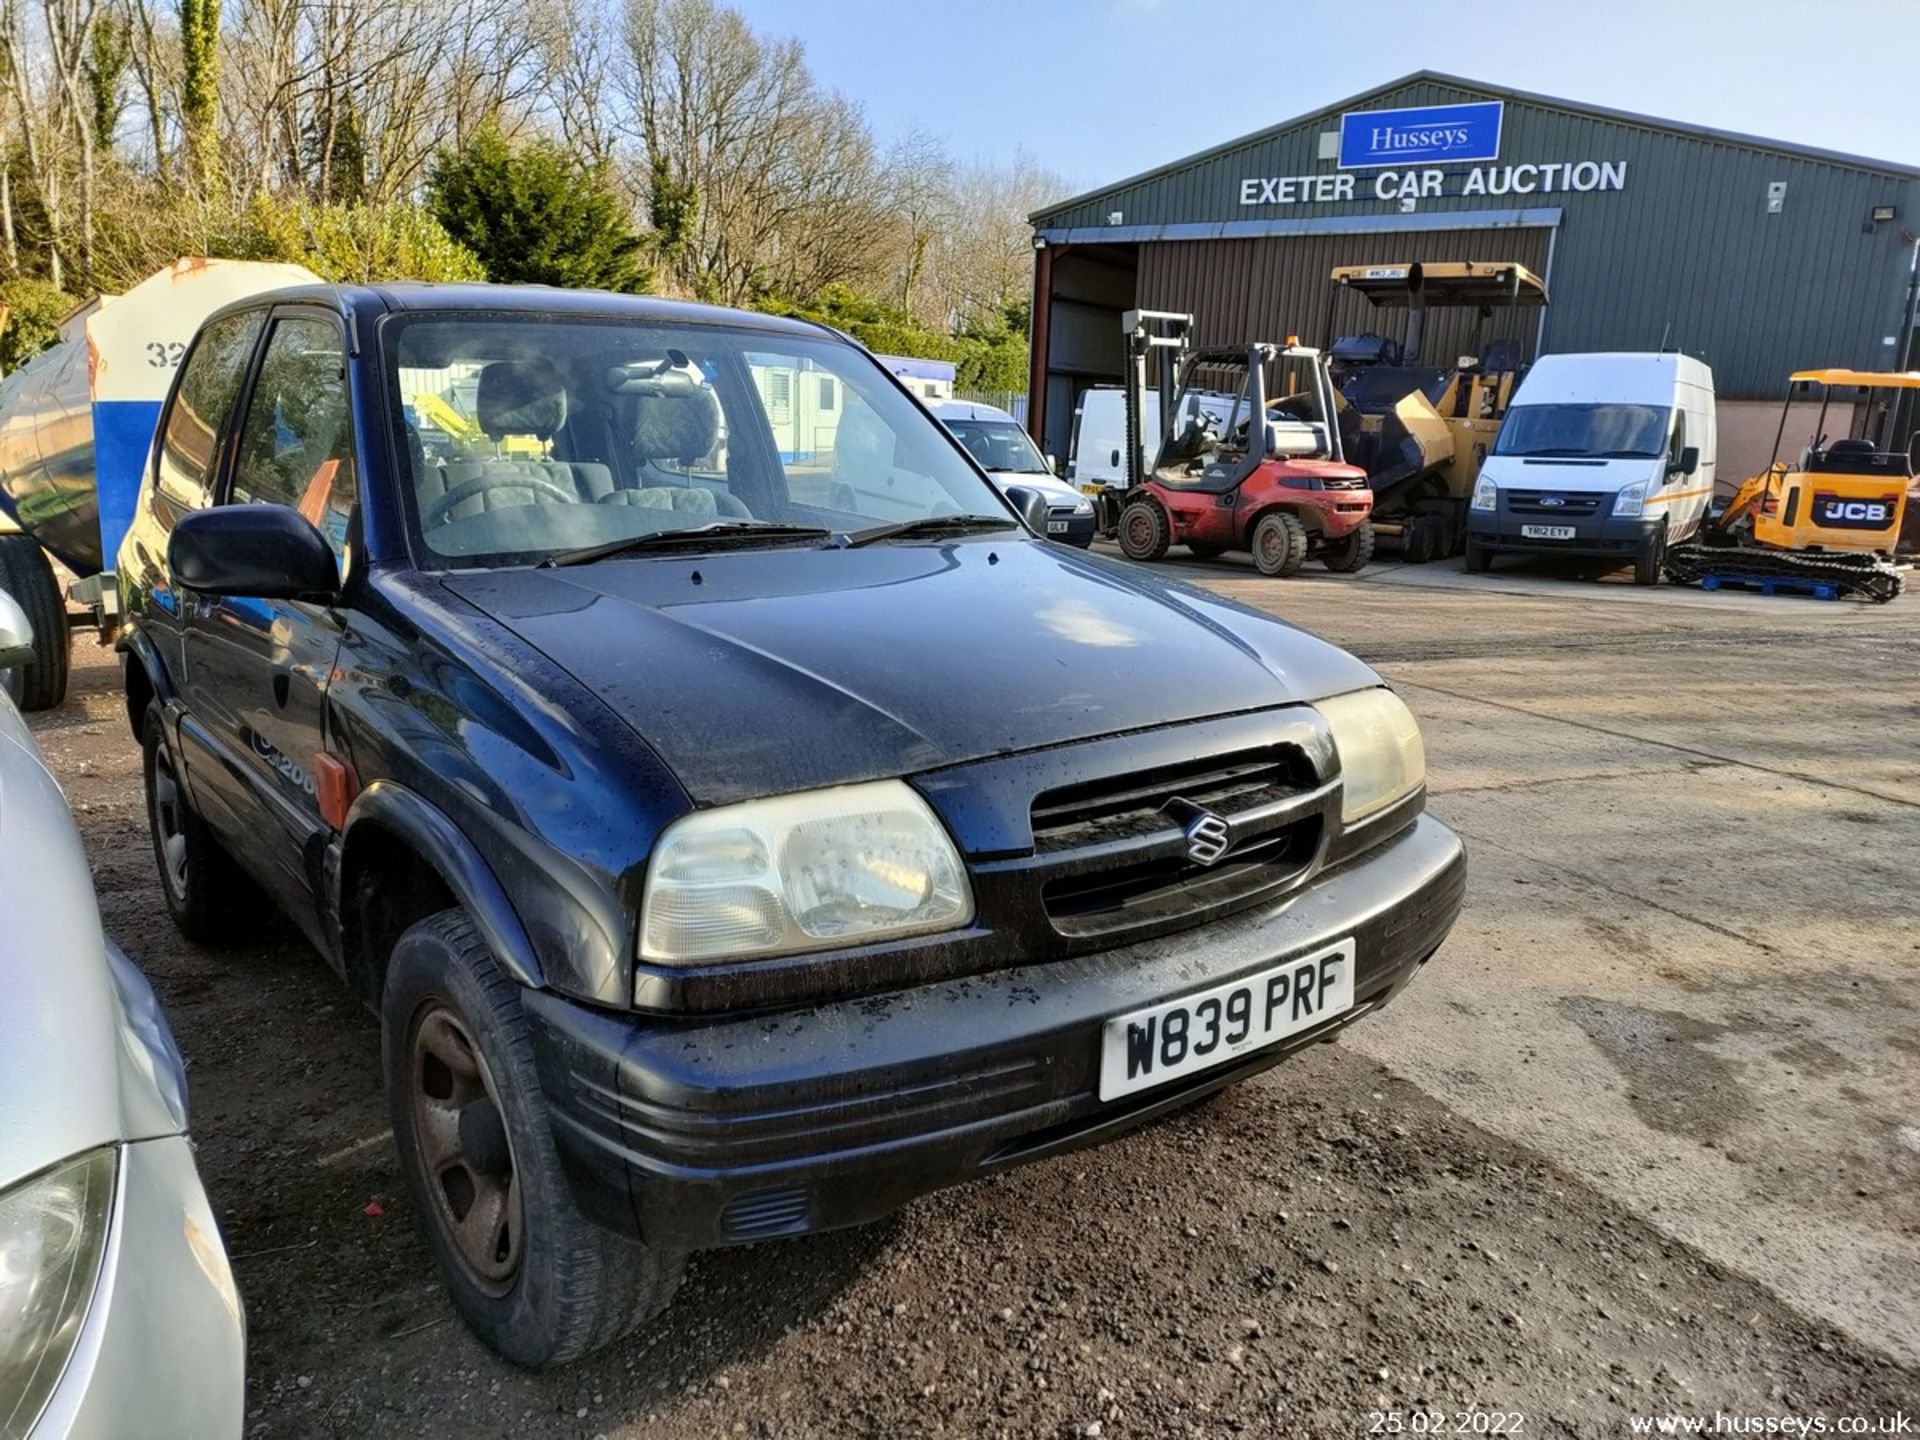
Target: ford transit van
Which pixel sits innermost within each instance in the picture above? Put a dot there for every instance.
(1608, 455)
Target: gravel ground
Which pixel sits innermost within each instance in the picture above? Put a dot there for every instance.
(1331, 1240)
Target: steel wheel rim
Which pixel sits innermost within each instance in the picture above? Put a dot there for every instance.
(170, 824)
(1139, 531)
(1272, 545)
(465, 1154)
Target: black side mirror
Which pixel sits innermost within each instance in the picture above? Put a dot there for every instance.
(1689, 459)
(272, 552)
(1032, 505)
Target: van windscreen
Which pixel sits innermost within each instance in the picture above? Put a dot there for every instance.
(1605, 432)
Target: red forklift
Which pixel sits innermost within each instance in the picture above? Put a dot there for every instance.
(1251, 458)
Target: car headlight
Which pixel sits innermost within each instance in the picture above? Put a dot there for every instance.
(1632, 499)
(53, 1231)
(1485, 494)
(1381, 757)
(814, 871)
(1083, 506)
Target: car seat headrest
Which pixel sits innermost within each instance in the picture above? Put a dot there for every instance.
(676, 427)
(521, 397)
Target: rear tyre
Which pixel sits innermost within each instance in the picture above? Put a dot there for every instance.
(212, 901)
(1351, 552)
(1204, 552)
(532, 1276)
(1651, 557)
(1479, 557)
(1417, 539)
(1279, 544)
(1144, 531)
(26, 575)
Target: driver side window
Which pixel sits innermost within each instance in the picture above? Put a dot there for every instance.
(296, 447)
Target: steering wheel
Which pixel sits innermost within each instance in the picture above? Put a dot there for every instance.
(437, 512)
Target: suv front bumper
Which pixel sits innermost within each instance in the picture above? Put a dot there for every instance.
(709, 1132)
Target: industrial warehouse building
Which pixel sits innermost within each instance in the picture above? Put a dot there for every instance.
(1760, 256)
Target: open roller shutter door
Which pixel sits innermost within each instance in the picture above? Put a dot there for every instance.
(1275, 286)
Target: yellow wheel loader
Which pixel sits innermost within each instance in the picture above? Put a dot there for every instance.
(1421, 429)
(1828, 521)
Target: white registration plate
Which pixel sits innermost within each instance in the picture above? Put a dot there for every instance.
(1547, 532)
(1197, 1032)
(1056, 527)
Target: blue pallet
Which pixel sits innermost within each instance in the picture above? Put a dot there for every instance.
(1773, 585)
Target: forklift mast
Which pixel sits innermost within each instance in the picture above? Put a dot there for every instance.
(1146, 332)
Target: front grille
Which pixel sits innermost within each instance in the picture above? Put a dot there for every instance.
(1345, 482)
(1569, 504)
(1117, 851)
(1121, 807)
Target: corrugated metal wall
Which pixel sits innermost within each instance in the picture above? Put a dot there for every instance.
(1687, 251)
(1267, 289)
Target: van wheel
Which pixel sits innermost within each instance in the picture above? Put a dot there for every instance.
(1479, 557)
(26, 575)
(1144, 531)
(532, 1276)
(1650, 557)
(1279, 544)
(211, 899)
(1351, 552)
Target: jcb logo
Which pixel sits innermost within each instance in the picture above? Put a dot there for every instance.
(1854, 514)
(1858, 510)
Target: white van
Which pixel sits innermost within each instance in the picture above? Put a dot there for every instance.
(1097, 453)
(1600, 455)
(995, 439)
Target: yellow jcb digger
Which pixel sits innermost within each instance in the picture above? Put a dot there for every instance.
(1831, 519)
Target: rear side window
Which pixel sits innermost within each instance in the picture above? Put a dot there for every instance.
(296, 446)
(207, 386)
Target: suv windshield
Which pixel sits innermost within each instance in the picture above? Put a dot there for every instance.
(998, 445)
(536, 436)
(1613, 432)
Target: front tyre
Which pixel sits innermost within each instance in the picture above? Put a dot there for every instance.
(1279, 544)
(1479, 557)
(533, 1277)
(1144, 531)
(1651, 556)
(1351, 552)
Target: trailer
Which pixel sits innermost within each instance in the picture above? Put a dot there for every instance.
(76, 426)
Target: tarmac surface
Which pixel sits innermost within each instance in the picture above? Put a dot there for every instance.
(1643, 1140)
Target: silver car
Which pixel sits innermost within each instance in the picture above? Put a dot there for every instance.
(118, 1312)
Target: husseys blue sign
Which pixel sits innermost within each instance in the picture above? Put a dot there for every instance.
(1430, 134)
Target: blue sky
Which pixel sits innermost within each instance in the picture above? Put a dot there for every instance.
(1100, 89)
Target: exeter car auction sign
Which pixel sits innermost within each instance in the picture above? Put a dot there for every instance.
(1430, 139)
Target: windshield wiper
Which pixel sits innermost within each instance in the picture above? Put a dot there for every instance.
(929, 525)
(719, 534)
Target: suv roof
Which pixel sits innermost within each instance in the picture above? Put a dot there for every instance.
(531, 299)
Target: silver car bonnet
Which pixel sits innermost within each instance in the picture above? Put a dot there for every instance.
(85, 1055)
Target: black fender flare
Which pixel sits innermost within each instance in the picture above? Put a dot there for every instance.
(440, 842)
(136, 647)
